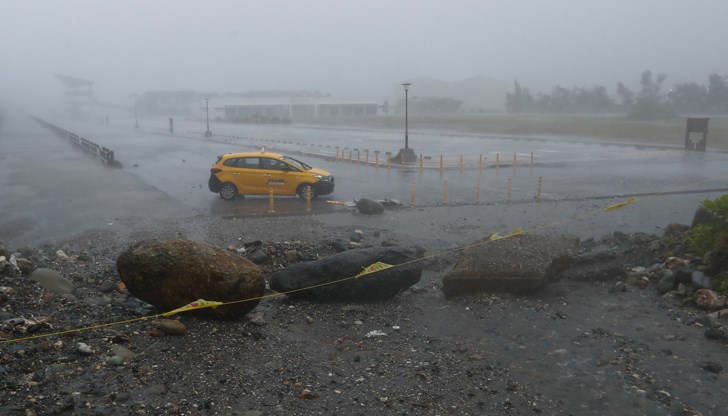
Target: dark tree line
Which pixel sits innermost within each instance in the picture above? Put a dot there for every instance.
(649, 102)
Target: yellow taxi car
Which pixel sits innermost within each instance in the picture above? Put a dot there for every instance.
(256, 173)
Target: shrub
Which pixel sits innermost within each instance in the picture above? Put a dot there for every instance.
(713, 236)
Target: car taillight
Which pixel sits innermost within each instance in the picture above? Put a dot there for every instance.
(215, 170)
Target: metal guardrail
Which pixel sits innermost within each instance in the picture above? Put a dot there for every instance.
(105, 154)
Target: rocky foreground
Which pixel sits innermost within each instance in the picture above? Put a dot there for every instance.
(630, 326)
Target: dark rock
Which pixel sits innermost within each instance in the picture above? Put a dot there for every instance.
(356, 237)
(369, 206)
(515, 264)
(683, 275)
(380, 285)
(339, 246)
(596, 266)
(712, 367)
(25, 266)
(703, 216)
(172, 273)
(714, 333)
(258, 257)
(107, 286)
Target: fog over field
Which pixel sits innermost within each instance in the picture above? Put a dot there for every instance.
(350, 48)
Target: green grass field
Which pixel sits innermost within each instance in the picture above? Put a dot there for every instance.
(608, 128)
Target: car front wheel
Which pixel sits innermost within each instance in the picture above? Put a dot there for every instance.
(228, 191)
(305, 189)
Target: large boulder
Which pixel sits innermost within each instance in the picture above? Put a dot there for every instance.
(369, 206)
(595, 266)
(381, 285)
(172, 273)
(520, 263)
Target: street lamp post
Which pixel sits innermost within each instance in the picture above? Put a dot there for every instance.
(406, 154)
(406, 114)
(208, 133)
(136, 117)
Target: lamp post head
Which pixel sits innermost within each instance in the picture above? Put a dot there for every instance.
(406, 86)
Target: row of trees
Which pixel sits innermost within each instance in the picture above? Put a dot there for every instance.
(649, 102)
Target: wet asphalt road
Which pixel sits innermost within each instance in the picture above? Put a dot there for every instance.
(51, 189)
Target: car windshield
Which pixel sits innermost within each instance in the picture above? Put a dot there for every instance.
(297, 163)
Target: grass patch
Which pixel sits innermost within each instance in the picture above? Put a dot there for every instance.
(612, 128)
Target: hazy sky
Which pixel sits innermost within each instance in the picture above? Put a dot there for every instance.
(349, 47)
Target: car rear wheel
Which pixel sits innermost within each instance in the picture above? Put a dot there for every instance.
(228, 191)
(304, 189)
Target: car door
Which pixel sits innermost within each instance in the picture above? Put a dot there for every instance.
(252, 180)
(278, 176)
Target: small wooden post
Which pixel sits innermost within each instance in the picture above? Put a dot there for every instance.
(477, 192)
(444, 190)
(538, 195)
(271, 207)
(414, 194)
(510, 188)
(421, 166)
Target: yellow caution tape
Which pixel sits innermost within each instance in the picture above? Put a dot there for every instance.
(198, 304)
(621, 204)
(376, 267)
(515, 232)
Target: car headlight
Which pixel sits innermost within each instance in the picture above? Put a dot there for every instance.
(323, 178)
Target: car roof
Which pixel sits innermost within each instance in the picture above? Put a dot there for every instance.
(253, 154)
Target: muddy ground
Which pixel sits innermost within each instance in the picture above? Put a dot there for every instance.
(571, 348)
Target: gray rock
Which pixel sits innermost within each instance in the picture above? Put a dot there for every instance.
(121, 355)
(700, 280)
(666, 281)
(52, 281)
(369, 206)
(709, 300)
(170, 326)
(172, 273)
(381, 285)
(84, 349)
(597, 266)
(355, 237)
(8, 269)
(517, 264)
